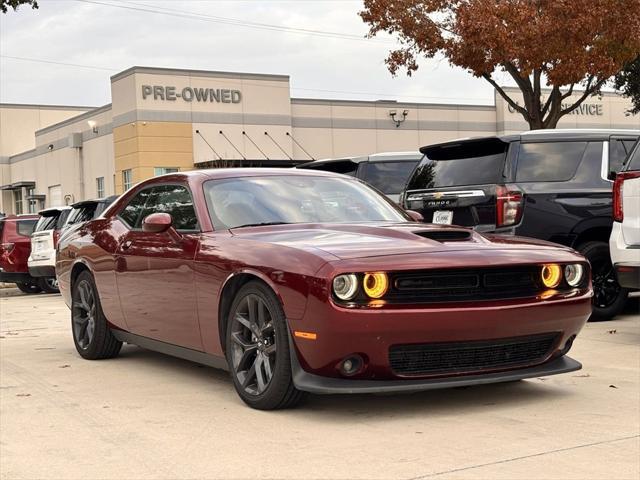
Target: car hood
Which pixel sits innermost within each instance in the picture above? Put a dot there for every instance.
(350, 241)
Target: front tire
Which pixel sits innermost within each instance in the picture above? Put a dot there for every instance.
(49, 284)
(257, 349)
(29, 288)
(609, 298)
(91, 333)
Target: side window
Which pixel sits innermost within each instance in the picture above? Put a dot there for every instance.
(176, 201)
(634, 160)
(131, 213)
(549, 162)
(618, 152)
(25, 227)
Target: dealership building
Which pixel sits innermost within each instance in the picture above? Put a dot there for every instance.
(163, 120)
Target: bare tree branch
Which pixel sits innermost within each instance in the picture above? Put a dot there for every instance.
(504, 95)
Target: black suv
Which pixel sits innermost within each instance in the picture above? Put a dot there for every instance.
(549, 184)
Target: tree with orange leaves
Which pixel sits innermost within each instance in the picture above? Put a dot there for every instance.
(569, 46)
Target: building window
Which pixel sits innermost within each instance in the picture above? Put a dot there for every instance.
(17, 198)
(162, 170)
(100, 187)
(127, 181)
(33, 203)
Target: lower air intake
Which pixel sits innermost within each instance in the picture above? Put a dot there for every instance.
(466, 357)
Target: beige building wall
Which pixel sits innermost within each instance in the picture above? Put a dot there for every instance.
(605, 111)
(18, 122)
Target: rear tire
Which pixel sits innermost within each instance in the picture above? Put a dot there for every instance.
(49, 284)
(29, 288)
(91, 333)
(257, 349)
(609, 298)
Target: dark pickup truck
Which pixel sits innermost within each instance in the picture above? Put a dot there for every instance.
(553, 185)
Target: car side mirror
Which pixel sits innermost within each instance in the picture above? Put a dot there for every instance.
(612, 175)
(157, 223)
(415, 216)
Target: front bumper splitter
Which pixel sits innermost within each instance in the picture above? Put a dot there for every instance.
(309, 382)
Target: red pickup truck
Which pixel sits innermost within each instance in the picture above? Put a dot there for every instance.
(15, 246)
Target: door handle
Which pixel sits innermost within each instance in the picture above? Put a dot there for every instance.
(126, 245)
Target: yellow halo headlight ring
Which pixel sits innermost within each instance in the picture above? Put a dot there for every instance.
(375, 284)
(551, 275)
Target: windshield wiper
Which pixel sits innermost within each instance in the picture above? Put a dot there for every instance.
(262, 224)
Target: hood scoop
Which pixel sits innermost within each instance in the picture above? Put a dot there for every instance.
(445, 235)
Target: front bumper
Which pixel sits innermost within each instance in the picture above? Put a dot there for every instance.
(309, 382)
(371, 333)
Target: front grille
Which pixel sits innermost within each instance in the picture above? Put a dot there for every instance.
(463, 285)
(464, 357)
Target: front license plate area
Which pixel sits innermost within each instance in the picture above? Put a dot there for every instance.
(442, 217)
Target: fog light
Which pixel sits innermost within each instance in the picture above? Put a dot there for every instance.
(573, 274)
(375, 284)
(351, 365)
(551, 275)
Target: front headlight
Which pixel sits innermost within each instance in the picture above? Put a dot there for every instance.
(345, 286)
(375, 284)
(574, 274)
(551, 275)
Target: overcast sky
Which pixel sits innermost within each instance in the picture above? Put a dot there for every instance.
(211, 35)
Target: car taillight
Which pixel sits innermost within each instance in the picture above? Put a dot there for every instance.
(6, 247)
(618, 210)
(509, 205)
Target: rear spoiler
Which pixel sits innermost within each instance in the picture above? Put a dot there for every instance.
(87, 203)
(464, 148)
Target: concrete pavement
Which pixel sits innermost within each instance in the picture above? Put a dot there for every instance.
(145, 415)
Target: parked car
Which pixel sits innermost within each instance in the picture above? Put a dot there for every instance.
(388, 172)
(625, 236)
(304, 280)
(42, 260)
(546, 184)
(15, 245)
(86, 210)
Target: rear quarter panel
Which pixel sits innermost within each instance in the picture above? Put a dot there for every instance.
(93, 245)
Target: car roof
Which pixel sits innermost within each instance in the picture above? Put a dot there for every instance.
(558, 134)
(374, 157)
(15, 218)
(47, 212)
(219, 173)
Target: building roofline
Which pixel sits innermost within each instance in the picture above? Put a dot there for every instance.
(199, 73)
(42, 105)
(77, 118)
(389, 103)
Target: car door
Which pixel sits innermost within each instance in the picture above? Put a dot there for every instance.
(155, 271)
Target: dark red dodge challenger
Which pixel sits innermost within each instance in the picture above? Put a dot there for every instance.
(306, 281)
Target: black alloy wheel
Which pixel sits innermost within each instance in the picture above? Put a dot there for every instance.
(254, 346)
(91, 333)
(257, 349)
(27, 287)
(84, 314)
(609, 298)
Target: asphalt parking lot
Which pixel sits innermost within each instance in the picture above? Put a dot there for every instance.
(145, 415)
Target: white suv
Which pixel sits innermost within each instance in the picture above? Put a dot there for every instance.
(624, 242)
(42, 260)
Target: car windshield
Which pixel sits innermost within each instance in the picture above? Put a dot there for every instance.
(388, 177)
(82, 214)
(246, 201)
